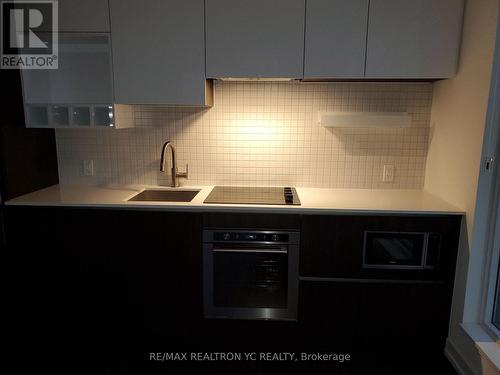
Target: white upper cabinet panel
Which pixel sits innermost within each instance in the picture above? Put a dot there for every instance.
(83, 76)
(255, 38)
(413, 39)
(335, 38)
(77, 94)
(83, 16)
(158, 51)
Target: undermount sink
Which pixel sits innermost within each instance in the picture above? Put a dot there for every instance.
(155, 195)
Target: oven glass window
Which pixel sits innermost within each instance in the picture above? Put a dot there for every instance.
(249, 279)
(393, 249)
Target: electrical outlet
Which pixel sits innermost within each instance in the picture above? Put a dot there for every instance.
(88, 167)
(388, 173)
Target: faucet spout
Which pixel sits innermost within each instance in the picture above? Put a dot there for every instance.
(174, 173)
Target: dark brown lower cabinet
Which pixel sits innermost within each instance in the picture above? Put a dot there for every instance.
(391, 320)
(98, 290)
(385, 327)
(327, 313)
(332, 246)
(106, 286)
(416, 313)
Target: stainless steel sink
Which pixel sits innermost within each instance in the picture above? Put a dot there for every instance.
(155, 195)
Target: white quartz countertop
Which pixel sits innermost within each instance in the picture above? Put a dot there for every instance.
(314, 201)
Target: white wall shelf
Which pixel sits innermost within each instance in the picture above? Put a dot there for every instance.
(364, 119)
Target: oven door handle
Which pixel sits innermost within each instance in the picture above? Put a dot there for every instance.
(280, 250)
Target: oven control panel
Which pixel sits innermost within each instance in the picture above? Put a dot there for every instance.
(249, 237)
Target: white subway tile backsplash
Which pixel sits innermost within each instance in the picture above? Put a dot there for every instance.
(262, 134)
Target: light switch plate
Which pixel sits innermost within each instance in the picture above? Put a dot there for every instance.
(88, 167)
(388, 173)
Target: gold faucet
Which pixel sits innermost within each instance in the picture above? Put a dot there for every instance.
(175, 174)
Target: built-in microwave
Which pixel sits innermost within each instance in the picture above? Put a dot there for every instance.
(401, 250)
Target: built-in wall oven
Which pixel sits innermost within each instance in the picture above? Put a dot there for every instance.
(250, 274)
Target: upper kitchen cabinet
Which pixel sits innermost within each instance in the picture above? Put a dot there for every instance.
(159, 52)
(255, 38)
(83, 16)
(83, 74)
(77, 94)
(335, 41)
(413, 39)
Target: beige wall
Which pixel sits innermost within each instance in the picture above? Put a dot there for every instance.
(457, 125)
(459, 111)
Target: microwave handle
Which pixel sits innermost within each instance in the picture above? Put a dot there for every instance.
(432, 250)
(281, 250)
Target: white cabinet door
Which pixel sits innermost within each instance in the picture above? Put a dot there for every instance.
(413, 38)
(335, 38)
(77, 94)
(82, 16)
(255, 38)
(158, 51)
(83, 76)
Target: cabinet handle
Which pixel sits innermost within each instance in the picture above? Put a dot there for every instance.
(282, 250)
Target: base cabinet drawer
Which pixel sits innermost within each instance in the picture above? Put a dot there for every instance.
(327, 315)
(392, 313)
(390, 324)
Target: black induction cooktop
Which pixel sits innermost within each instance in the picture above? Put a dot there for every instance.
(253, 195)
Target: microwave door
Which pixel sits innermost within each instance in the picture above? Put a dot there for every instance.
(393, 250)
(398, 250)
